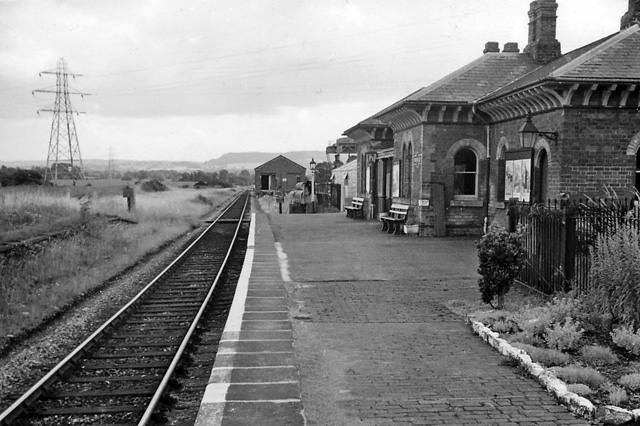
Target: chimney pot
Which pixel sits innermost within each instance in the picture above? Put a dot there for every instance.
(491, 46)
(511, 47)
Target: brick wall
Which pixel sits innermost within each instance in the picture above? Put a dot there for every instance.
(593, 152)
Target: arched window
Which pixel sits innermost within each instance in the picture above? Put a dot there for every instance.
(465, 180)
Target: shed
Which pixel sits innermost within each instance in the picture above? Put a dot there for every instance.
(279, 173)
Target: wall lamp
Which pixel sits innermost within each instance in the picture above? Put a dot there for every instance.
(529, 133)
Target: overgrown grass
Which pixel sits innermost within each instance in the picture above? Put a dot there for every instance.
(577, 374)
(598, 354)
(30, 211)
(614, 277)
(35, 284)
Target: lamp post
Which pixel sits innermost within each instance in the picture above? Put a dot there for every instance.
(312, 167)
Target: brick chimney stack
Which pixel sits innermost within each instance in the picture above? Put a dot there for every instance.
(543, 46)
(632, 16)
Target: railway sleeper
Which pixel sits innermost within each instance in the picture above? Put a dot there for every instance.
(132, 355)
(148, 391)
(131, 366)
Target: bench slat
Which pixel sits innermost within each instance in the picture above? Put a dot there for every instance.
(395, 218)
(355, 209)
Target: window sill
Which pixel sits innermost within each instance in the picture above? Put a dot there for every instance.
(466, 203)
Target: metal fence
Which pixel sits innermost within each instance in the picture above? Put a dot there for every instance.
(558, 238)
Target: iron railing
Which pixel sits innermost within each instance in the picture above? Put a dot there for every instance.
(558, 238)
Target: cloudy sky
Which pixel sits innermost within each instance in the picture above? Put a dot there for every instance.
(193, 79)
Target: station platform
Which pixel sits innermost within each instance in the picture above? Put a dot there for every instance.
(335, 323)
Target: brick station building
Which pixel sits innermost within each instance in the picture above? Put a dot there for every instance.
(278, 174)
(530, 125)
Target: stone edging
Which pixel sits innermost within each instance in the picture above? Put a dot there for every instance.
(608, 414)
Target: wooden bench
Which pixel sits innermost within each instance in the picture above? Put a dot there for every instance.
(393, 221)
(355, 209)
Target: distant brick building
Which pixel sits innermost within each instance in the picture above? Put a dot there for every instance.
(532, 126)
(279, 173)
(341, 152)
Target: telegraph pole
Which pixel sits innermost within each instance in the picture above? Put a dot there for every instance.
(63, 158)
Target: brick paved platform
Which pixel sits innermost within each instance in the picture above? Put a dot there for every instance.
(339, 324)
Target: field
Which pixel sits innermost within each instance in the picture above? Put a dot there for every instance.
(101, 237)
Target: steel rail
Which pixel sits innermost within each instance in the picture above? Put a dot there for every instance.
(146, 417)
(18, 407)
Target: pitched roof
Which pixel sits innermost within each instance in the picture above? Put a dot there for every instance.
(484, 75)
(613, 58)
(279, 158)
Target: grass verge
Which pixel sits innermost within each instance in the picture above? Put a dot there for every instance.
(37, 281)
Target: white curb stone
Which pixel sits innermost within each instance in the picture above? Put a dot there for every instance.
(547, 378)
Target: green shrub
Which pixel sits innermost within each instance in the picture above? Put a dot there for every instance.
(544, 356)
(630, 381)
(565, 336)
(536, 320)
(576, 374)
(501, 257)
(614, 284)
(624, 337)
(617, 395)
(579, 389)
(598, 354)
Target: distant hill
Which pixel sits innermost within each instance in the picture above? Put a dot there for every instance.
(250, 160)
(233, 162)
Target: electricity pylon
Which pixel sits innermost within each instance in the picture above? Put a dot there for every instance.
(63, 159)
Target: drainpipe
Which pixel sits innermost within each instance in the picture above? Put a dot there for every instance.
(488, 188)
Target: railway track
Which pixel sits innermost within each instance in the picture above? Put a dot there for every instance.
(123, 373)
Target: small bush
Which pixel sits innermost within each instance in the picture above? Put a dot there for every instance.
(153, 185)
(598, 354)
(579, 389)
(501, 255)
(565, 336)
(624, 337)
(534, 326)
(617, 395)
(630, 381)
(546, 357)
(576, 374)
